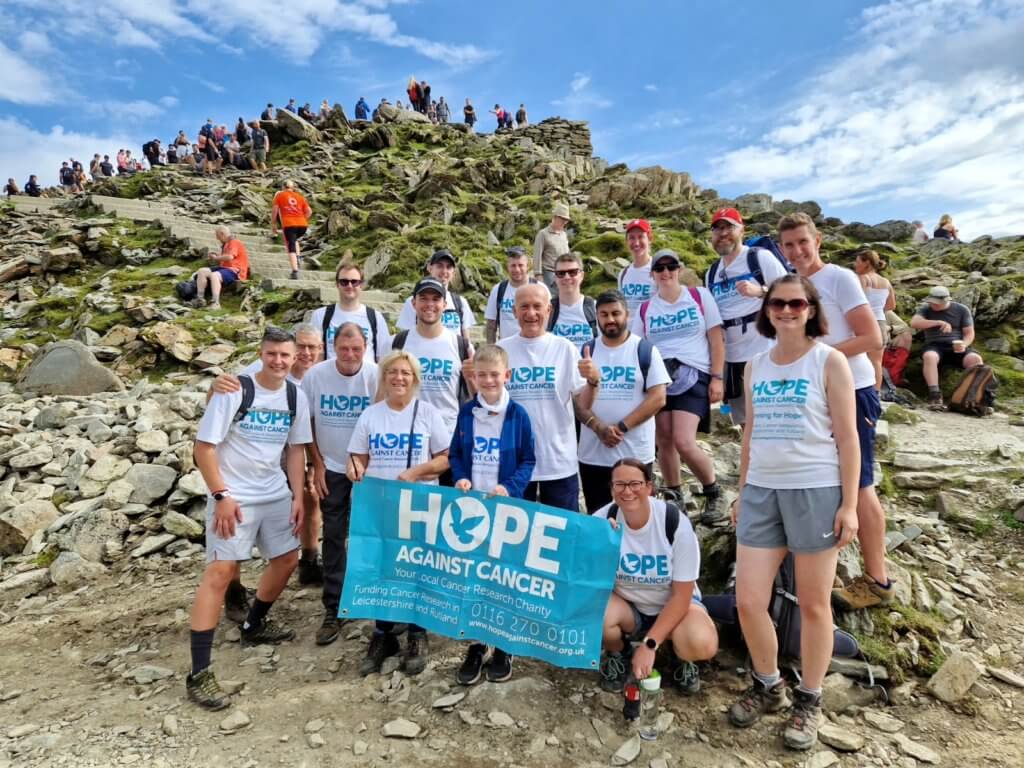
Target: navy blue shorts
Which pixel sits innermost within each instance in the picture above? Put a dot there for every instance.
(869, 410)
(643, 622)
(695, 400)
(227, 276)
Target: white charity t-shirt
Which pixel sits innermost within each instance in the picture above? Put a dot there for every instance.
(840, 292)
(679, 329)
(361, 318)
(572, 324)
(384, 435)
(440, 371)
(505, 314)
(545, 375)
(740, 346)
(620, 393)
(486, 453)
(648, 564)
(636, 285)
(450, 318)
(336, 402)
(249, 451)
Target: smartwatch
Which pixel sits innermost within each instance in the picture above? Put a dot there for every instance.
(622, 427)
(221, 495)
(651, 643)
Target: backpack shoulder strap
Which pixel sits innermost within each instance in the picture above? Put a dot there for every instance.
(326, 325)
(293, 397)
(590, 313)
(399, 341)
(463, 347)
(622, 277)
(502, 288)
(553, 317)
(457, 303)
(695, 295)
(248, 395)
(754, 264)
(643, 355)
(671, 521)
(712, 273)
(643, 315)
(371, 318)
(613, 511)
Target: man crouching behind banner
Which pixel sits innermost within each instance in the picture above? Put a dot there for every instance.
(656, 596)
(398, 438)
(491, 451)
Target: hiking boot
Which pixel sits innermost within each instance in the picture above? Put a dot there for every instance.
(935, 403)
(714, 509)
(756, 701)
(236, 602)
(197, 303)
(266, 632)
(687, 678)
(417, 649)
(294, 275)
(863, 592)
(472, 665)
(381, 646)
(204, 690)
(499, 668)
(613, 671)
(311, 571)
(328, 631)
(667, 493)
(213, 306)
(802, 730)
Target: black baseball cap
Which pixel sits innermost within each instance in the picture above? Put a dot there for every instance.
(429, 284)
(443, 254)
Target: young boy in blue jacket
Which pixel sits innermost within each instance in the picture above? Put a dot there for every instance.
(491, 451)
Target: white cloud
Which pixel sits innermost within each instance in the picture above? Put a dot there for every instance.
(650, 87)
(34, 43)
(21, 82)
(915, 113)
(579, 82)
(24, 151)
(135, 111)
(582, 98)
(168, 102)
(209, 84)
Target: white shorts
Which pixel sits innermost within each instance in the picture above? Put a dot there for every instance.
(266, 525)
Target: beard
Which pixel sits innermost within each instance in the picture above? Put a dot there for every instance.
(613, 330)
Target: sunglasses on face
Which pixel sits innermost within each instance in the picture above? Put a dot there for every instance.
(567, 272)
(665, 268)
(345, 282)
(797, 305)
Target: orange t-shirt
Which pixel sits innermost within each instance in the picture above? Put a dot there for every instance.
(293, 208)
(239, 258)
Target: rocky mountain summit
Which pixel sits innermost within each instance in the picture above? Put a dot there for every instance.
(101, 508)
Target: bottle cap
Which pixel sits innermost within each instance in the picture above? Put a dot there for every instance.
(653, 682)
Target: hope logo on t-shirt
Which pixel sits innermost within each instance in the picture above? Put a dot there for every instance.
(487, 447)
(537, 374)
(333, 331)
(643, 567)
(342, 405)
(387, 443)
(266, 424)
(726, 288)
(450, 320)
(688, 317)
(435, 369)
(636, 290)
(780, 391)
(508, 306)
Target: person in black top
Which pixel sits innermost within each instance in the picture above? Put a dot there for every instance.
(946, 230)
(268, 113)
(306, 112)
(32, 188)
(106, 167)
(241, 131)
(11, 188)
(948, 332)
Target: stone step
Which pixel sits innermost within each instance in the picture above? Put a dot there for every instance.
(34, 204)
(282, 272)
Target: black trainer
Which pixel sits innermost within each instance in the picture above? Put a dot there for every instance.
(382, 645)
(266, 632)
(204, 690)
(328, 631)
(311, 571)
(236, 602)
(417, 649)
(499, 668)
(472, 665)
(613, 671)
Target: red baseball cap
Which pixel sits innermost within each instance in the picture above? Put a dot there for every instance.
(639, 224)
(728, 214)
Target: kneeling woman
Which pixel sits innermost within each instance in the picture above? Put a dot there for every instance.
(798, 493)
(655, 597)
(398, 412)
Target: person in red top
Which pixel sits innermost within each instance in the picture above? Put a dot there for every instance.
(230, 265)
(293, 211)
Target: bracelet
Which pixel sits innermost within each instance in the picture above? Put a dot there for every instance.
(717, 376)
(587, 423)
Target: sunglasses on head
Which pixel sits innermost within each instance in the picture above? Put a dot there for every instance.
(345, 282)
(670, 267)
(567, 272)
(797, 305)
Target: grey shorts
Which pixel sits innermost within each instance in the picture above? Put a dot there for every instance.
(266, 525)
(800, 519)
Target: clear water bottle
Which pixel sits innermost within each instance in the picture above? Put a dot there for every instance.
(650, 706)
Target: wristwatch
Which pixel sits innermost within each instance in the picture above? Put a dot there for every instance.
(717, 376)
(220, 495)
(651, 643)
(622, 427)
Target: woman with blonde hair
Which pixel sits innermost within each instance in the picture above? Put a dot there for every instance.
(881, 298)
(946, 229)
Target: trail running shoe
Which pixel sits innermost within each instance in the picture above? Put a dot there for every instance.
(328, 631)
(472, 665)
(756, 701)
(266, 632)
(687, 678)
(499, 668)
(204, 690)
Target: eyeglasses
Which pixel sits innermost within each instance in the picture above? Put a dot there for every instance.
(633, 485)
(345, 282)
(567, 272)
(797, 305)
(665, 268)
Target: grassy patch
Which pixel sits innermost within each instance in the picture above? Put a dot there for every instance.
(45, 558)
(898, 621)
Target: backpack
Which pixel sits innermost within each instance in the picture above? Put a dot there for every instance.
(589, 313)
(671, 519)
(894, 362)
(371, 318)
(643, 356)
(976, 392)
(398, 342)
(694, 294)
(67, 176)
(503, 287)
(249, 394)
(753, 265)
(186, 290)
(207, 131)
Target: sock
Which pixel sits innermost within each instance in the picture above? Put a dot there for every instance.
(257, 613)
(202, 647)
(934, 390)
(769, 680)
(883, 585)
(815, 692)
(711, 490)
(310, 555)
(236, 590)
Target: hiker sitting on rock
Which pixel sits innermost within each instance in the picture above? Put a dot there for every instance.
(32, 188)
(946, 229)
(948, 332)
(11, 188)
(229, 266)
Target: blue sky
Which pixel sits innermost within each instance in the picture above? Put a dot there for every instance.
(876, 110)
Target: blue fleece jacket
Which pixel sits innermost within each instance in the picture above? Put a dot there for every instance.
(515, 445)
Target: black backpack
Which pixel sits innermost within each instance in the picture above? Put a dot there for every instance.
(186, 290)
(249, 395)
(589, 312)
(643, 355)
(67, 176)
(502, 288)
(398, 342)
(371, 318)
(457, 303)
(671, 519)
(753, 265)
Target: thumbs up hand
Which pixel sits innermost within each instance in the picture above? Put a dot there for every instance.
(587, 369)
(468, 368)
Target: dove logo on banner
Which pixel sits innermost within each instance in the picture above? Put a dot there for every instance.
(530, 578)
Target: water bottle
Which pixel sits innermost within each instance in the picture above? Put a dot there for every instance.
(650, 706)
(631, 700)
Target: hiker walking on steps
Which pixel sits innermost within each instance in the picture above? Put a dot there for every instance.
(881, 299)
(948, 332)
(293, 212)
(228, 266)
(684, 324)
(739, 281)
(500, 310)
(799, 469)
(350, 309)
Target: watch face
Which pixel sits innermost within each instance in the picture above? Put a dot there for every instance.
(650, 643)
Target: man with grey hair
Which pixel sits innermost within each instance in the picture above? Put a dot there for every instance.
(226, 267)
(550, 243)
(920, 234)
(948, 332)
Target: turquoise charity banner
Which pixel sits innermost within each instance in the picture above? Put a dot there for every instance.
(531, 579)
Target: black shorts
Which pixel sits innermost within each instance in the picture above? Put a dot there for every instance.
(695, 400)
(212, 153)
(291, 237)
(947, 356)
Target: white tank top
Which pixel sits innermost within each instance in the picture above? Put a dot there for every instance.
(791, 445)
(876, 299)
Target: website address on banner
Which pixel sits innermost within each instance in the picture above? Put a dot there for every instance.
(514, 637)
